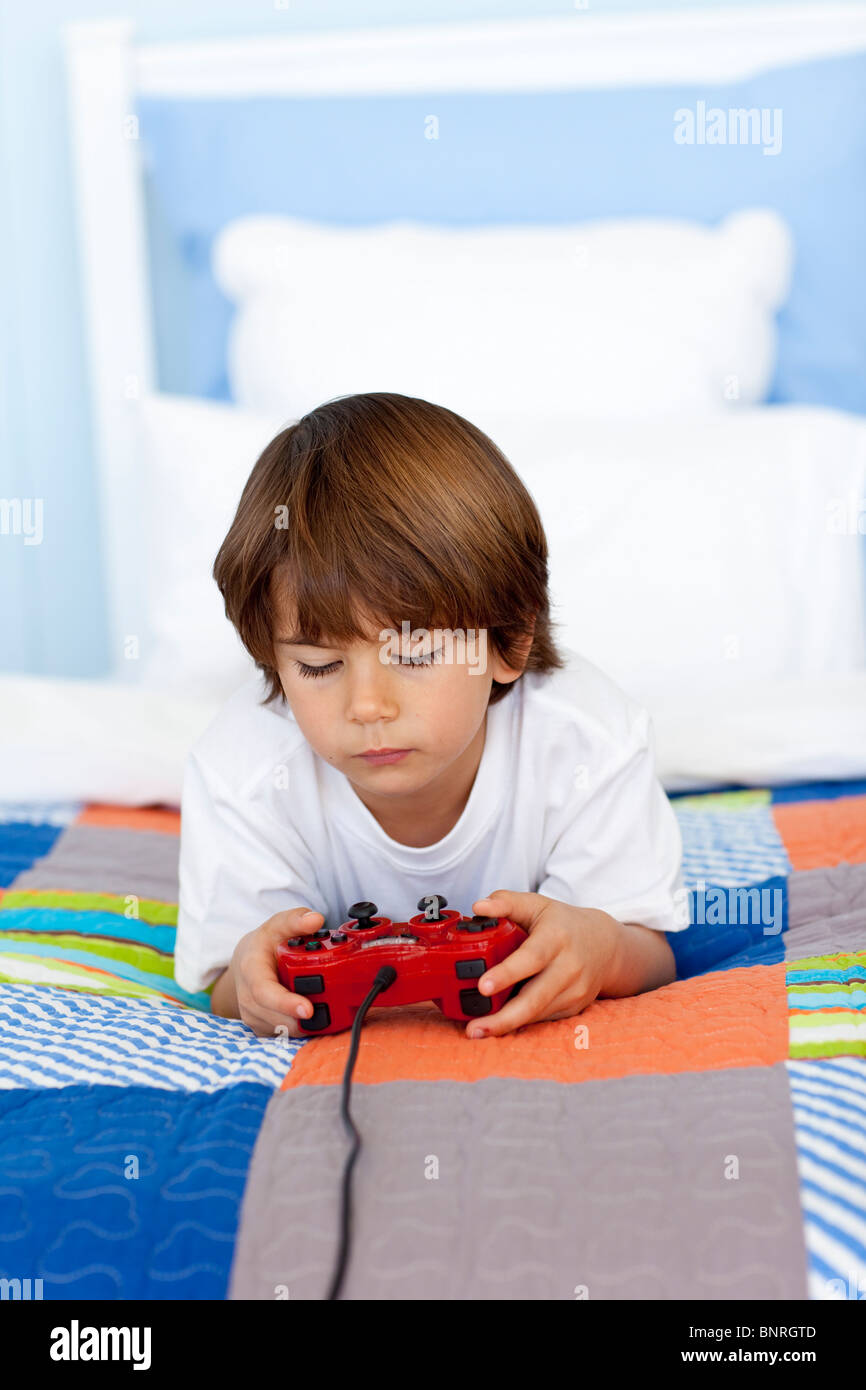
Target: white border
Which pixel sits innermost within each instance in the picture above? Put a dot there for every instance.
(107, 70)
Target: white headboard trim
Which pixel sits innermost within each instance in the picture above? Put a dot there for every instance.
(545, 54)
(117, 310)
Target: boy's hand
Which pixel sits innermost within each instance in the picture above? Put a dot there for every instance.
(571, 953)
(264, 1004)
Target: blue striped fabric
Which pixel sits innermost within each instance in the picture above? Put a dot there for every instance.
(53, 1037)
(829, 1106)
(730, 847)
(58, 813)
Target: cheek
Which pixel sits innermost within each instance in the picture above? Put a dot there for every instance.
(457, 706)
(311, 708)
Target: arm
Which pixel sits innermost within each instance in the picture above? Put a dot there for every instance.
(224, 998)
(643, 961)
(239, 866)
(615, 842)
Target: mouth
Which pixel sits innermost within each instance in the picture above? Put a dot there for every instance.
(377, 757)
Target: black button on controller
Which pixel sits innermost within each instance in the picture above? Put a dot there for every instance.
(309, 984)
(320, 1019)
(474, 1004)
(470, 969)
(363, 914)
(432, 906)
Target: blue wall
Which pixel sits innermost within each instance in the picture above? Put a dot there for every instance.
(52, 607)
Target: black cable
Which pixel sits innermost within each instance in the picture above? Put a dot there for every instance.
(386, 977)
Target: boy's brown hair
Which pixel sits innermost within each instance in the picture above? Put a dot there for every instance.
(390, 505)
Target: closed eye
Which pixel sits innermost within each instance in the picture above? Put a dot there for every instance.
(311, 672)
(428, 659)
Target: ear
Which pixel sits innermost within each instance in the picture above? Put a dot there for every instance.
(505, 674)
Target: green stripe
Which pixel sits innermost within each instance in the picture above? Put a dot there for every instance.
(810, 1022)
(826, 987)
(724, 801)
(841, 960)
(148, 909)
(855, 1047)
(139, 957)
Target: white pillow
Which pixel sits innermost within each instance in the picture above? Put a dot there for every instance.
(194, 458)
(78, 740)
(800, 730)
(707, 555)
(628, 319)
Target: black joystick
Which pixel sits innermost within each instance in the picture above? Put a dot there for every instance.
(363, 914)
(432, 907)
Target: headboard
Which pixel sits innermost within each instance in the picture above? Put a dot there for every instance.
(109, 73)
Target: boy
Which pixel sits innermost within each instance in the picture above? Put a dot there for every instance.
(420, 733)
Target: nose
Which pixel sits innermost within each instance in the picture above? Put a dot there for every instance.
(371, 694)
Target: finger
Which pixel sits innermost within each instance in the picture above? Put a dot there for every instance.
(525, 1007)
(522, 908)
(533, 955)
(264, 1027)
(264, 996)
(293, 921)
(273, 1018)
(567, 1004)
(271, 996)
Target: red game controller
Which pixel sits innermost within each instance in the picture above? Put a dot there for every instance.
(437, 956)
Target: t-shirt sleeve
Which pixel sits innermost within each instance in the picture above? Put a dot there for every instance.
(237, 868)
(617, 843)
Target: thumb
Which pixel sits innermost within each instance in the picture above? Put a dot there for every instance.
(293, 921)
(522, 908)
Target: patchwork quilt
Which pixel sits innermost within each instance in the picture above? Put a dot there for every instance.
(705, 1140)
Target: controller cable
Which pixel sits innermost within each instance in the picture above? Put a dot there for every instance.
(384, 979)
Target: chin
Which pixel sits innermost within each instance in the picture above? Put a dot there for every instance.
(394, 778)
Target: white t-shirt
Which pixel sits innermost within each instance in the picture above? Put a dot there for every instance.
(565, 803)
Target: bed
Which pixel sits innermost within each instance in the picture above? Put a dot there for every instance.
(704, 1141)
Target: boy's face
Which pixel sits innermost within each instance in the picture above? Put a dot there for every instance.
(420, 695)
